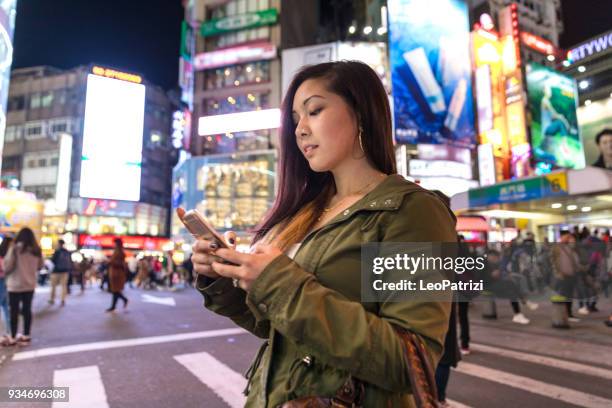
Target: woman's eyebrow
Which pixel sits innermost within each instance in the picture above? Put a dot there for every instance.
(310, 97)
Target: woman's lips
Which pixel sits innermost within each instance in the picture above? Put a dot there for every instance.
(308, 150)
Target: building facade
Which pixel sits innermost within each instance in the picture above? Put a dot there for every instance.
(46, 107)
(540, 23)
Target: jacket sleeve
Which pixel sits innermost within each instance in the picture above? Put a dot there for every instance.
(222, 298)
(340, 332)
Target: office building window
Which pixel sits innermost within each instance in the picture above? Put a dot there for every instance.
(238, 103)
(238, 75)
(46, 99)
(35, 100)
(16, 103)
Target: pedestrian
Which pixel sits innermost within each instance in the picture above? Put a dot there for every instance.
(450, 357)
(22, 262)
(142, 275)
(463, 304)
(565, 264)
(62, 267)
(502, 286)
(117, 274)
(4, 307)
(300, 285)
(80, 274)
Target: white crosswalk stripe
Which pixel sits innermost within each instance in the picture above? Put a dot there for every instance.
(112, 344)
(546, 361)
(85, 387)
(534, 386)
(222, 380)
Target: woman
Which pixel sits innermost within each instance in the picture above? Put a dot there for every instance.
(117, 275)
(338, 188)
(4, 247)
(22, 262)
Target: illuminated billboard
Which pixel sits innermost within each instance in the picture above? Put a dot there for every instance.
(593, 119)
(554, 126)
(430, 71)
(7, 26)
(112, 139)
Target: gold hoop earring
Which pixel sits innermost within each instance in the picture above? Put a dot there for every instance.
(360, 139)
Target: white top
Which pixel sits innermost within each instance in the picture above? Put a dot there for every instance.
(293, 250)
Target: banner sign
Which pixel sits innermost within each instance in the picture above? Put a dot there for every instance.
(239, 22)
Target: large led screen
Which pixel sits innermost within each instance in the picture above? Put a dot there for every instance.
(430, 71)
(112, 139)
(555, 138)
(7, 26)
(593, 119)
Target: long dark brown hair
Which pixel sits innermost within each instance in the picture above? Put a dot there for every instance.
(26, 237)
(302, 190)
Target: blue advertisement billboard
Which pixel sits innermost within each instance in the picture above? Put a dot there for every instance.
(430, 71)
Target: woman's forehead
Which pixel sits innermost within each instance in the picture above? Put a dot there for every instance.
(307, 89)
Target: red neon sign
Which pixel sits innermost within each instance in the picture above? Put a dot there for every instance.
(537, 43)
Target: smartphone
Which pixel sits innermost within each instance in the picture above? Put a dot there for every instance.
(199, 227)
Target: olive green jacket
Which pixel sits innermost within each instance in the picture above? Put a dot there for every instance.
(310, 310)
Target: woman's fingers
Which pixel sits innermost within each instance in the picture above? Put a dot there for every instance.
(230, 238)
(204, 246)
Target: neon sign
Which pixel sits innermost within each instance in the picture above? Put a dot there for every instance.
(111, 73)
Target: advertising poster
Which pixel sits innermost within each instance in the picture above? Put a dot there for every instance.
(555, 137)
(7, 26)
(592, 120)
(430, 71)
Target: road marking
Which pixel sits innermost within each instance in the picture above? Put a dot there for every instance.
(547, 361)
(456, 404)
(534, 386)
(104, 345)
(86, 387)
(168, 301)
(225, 382)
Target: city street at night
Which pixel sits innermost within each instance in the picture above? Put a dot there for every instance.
(305, 203)
(157, 353)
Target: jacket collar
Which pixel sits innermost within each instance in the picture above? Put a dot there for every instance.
(386, 196)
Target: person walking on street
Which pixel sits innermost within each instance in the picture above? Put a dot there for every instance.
(4, 308)
(117, 274)
(565, 265)
(21, 264)
(62, 267)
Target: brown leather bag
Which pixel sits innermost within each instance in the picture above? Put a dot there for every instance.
(351, 394)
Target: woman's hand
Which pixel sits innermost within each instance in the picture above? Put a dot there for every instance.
(203, 255)
(247, 267)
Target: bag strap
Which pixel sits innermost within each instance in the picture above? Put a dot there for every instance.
(420, 370)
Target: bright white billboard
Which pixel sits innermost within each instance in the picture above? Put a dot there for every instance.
(112, 139)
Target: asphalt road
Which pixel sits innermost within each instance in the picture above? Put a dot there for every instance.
(168, 351)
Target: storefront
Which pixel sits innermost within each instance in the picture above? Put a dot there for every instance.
(232, 191)
(544, 204)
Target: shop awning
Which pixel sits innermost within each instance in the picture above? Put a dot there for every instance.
(563, 183)
(472, 224)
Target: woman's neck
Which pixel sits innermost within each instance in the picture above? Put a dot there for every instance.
(350, 180)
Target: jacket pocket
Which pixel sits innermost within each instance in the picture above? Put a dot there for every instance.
(297, 373)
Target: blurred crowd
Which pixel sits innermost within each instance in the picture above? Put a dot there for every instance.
(23, 267)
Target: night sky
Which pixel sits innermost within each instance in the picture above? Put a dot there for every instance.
(143, 35)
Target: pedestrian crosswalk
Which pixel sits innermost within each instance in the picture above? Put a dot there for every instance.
(85, 387)
(224, 384)
(221, 379)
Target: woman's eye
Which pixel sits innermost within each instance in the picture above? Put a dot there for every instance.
(316, 112)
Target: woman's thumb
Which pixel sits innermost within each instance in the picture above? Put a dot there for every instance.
(230, 238)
